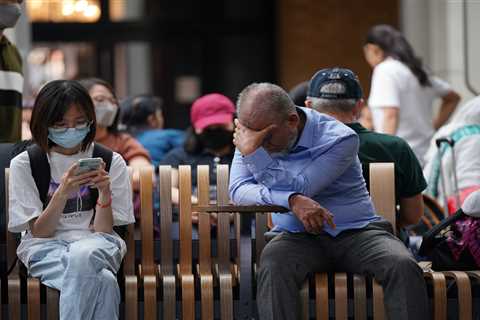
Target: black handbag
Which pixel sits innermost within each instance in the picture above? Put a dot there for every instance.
(435, 246)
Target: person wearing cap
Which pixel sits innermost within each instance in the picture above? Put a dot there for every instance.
(307, 162)
(142, 115)
(11, 78)
(299, 95)
(338, 93)
(208, 141)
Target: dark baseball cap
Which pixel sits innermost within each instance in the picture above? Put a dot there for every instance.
(346, 77)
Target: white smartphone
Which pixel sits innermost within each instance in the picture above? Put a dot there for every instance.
(88, 164)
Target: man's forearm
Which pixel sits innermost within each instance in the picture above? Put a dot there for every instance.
(411, 210)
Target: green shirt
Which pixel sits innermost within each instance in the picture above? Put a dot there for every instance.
(11, 87)
(378, 147)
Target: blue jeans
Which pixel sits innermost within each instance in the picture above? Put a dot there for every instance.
(84, 272)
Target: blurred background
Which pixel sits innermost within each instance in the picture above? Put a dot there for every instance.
(181, 49)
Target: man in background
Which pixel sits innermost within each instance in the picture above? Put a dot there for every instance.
(337, 92)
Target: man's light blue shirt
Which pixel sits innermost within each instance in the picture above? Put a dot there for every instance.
(323, 165)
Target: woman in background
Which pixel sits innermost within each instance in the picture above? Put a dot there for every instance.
(209, 141)
(402, 92)
(107, 113)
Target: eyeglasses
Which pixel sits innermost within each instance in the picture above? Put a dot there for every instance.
(64, 128)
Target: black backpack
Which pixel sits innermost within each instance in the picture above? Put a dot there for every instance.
(41, 175)
(435, 246)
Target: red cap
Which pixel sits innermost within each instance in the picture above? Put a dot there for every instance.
(211, 109)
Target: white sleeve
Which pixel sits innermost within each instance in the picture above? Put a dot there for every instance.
(24, 200)
(122, 202)
(385, 91)
(440, 87)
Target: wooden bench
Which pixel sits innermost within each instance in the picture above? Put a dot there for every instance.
(215, 278)
(383, 196)
(35, 290)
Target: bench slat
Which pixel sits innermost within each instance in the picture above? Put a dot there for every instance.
(205, 259)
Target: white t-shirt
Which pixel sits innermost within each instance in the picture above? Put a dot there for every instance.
(74, 224)
(394, 85)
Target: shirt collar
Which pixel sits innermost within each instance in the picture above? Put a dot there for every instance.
(306, 139)
(357, 127)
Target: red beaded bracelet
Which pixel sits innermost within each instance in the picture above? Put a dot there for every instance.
(106, 205)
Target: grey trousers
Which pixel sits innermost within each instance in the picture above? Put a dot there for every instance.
(287, 260)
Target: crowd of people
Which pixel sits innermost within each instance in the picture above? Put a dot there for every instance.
(308, 152)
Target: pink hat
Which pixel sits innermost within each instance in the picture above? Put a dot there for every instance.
(211, 109)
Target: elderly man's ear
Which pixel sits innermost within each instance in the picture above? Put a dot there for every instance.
(357, 111)
(308, 103)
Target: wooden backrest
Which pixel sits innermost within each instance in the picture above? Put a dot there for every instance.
(205, 243)
(382, 190)
(146, 221)
(166, 254)
(185, 219)
(129, 237)
(223, 220)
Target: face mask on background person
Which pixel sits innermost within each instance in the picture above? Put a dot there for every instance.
(105, 113)
(216, 138)
(68, 138)
(9, 14)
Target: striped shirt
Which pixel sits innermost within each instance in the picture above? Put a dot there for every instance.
(11, 87)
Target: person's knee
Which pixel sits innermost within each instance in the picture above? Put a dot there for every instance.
(275, 262)
(404, 264)
(84, 256)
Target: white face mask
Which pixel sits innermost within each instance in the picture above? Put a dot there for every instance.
(105, 113)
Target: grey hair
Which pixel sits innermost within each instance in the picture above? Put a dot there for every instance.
(267, 97)
(333, 105)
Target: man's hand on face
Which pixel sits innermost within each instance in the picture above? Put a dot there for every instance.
(248, 140)
(311, 213)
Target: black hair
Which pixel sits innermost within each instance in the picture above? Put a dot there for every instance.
(135, 110)
(88, 84)
(395, 45)
(51, 104)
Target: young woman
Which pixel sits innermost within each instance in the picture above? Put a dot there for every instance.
(65, 245)
(402, 92)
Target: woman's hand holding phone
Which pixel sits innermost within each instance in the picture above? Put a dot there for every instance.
(71, 181)
(101, 180)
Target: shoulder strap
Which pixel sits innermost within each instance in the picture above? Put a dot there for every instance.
(103, 152)
(428, 241)
(40, 171)
(106, 154)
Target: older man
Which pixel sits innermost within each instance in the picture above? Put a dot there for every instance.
(337, 92)
(303, 160)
